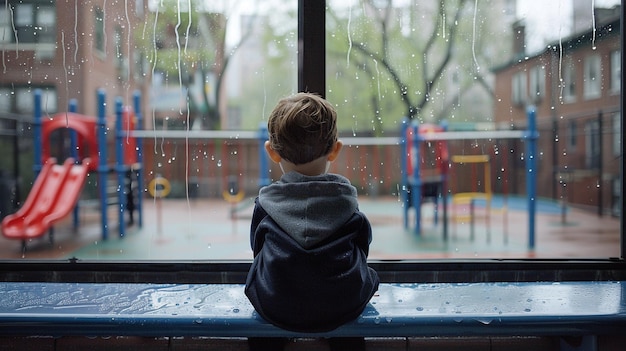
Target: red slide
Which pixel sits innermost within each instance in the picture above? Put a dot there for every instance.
(53, 196)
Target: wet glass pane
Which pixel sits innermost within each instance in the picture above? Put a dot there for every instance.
(172, 171)
(474, 69)
(162, 104)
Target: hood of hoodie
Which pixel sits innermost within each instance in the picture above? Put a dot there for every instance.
(309, 208)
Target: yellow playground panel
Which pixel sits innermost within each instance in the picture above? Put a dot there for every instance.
(470, 180)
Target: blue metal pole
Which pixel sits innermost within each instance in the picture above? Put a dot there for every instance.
(444, 187)
(531, 173)
(140, 171)
(404, 171)
(102, 162)
(264, 173)
(120, 168)
(37, 164)
(416, 181)
(73, 107)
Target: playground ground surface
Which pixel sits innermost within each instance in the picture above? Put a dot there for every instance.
(202, 229)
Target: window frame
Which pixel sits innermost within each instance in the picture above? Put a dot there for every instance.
(311, 22)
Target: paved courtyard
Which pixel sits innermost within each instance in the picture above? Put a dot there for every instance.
(205, 230)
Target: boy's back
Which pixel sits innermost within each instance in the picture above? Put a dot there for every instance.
(310, 244)
(310, 241)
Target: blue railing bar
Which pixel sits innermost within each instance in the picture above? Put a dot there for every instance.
(470, 135)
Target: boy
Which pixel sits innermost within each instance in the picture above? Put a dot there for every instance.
(309, 239)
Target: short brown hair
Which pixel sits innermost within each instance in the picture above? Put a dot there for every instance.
(302, 128)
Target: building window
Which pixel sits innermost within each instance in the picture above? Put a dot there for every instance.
(592, 77)
(99, 30)
(572, 130)
(569, 81)
(616, 198)
(537, 83)
(19, 100)
(139, 8)
(5, 100)
(617, 134)
(120, 60)
(519, 88)
(592, 144)
(616, 71)
(5, 26)
(28, 22)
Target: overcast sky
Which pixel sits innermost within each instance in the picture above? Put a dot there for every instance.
(547, 19)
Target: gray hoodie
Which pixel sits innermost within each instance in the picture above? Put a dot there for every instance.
(310, 245)
(309, 208)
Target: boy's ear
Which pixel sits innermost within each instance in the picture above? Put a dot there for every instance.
(334, 151)
(274, 156)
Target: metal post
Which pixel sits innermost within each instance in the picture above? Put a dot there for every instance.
(404, 149)
(264, 170)
(600, 164)
(102, 162)
(120, 168)
(16, 166)
(531, 170)
(139, 143)
(73, 107)
(37, 132)
(416, 181)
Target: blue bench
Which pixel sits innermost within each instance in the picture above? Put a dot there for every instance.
(397, 310)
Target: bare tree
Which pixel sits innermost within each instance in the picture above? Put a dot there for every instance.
(191, 43)
(433, 52)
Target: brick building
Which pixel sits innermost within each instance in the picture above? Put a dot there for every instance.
(70, 49)
(575, 86)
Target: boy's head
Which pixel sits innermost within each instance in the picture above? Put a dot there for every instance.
(302, 128)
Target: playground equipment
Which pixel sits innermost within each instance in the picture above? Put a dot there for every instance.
(425, 166)
(54, 194)
(233, 192)
(57, 188)
(412, 177)
(479, 188)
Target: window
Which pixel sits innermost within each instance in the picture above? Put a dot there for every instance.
(519, 89)
(572, 132)
(592, 78)
(568, 87)
(537, 83)
(19, 100)
(209, 76)
(33, 22)
(99, 42)
(592, 144)
(120, 60)
(616, 72)
(5, 100)
(5, 26)
(617, 134)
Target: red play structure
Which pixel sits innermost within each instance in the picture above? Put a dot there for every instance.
(53, 196)
(57, 189)
(425, 169)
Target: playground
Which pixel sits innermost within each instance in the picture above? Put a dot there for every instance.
(444, 207)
